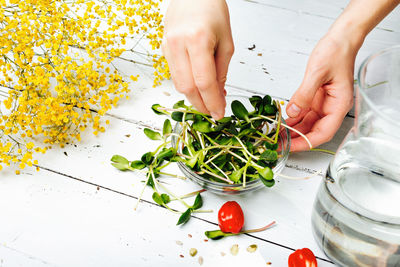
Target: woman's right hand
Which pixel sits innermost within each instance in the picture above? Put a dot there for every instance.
(198, 46)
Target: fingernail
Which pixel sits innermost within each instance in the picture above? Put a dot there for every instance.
(216, 115)
(293, 110)
(225, 92)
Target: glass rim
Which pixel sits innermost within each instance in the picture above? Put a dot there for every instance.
(362, 89)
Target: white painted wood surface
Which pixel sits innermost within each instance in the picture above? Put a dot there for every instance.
(78, 210)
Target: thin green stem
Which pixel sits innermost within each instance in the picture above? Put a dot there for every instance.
(216, 176)
(173, 175)
(290, 128)
(245, 149)
(219, 169)
(176, 197)
(141, 193)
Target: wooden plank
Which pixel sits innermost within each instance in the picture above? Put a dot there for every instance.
(50, 220)
(285, 32)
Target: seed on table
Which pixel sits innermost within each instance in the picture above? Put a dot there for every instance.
(201, 260)
(181, 256)
(235, 249)
(269, 263)
(252, 248)
(190, 236)
(193, 252)
(179, 243)
(223, 253)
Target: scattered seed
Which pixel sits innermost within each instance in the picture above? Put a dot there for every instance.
(252, 248)
(193, 252)
(259, 54)
(235, 249)
(269, 263)
(98, 188)
(181, 256)
(166, 93)
(205, 240)
(223, 253)
(201, 260)
(128, 135)
(190, 236)
(179, 243)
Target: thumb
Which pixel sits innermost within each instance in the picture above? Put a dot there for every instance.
(303, 97)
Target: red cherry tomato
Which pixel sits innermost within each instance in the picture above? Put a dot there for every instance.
(230, 217)
(302, 258)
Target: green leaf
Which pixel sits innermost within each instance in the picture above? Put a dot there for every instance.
(232, 129)
(185, 151)
(157, 110)
(271, 146)
(269, 110)
(176, 159)
(255, 101)
(202, 126)
(158, 199)
(152, 134)
(185, 217)
(166, 199)
(150, 182)
(177, 116)
(225, 120)
(267, 100)
(189, 117)
(120, 166)
(120, 162)
(235, 176)
(166, 153)
(198, 202)
(217, 234)
(266, 173)
(269, 155)
(167, 128)
(239, 110)
(119, 159)
(138, 164)
(180, 104)
(192, 161)
(147, 158)
(267, 183)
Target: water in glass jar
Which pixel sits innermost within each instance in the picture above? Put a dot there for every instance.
(356, 216)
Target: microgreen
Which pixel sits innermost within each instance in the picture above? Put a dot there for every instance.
(236, 149)
(198, 203)
(218, 234)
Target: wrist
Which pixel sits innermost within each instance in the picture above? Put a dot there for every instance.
(346, 31)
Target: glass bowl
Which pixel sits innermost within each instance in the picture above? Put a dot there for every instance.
(234, 189)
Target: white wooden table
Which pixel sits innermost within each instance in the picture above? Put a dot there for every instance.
(79, 211)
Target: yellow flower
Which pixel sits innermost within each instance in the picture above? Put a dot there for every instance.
(56, 57)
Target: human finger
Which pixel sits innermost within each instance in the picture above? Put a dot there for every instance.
(202, 60)
(322, 132)
(305, 125)
(222, 57)
(180, 69)
(303, 97)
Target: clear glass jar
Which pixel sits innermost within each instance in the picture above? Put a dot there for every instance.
(356, 215)
(235, 189)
